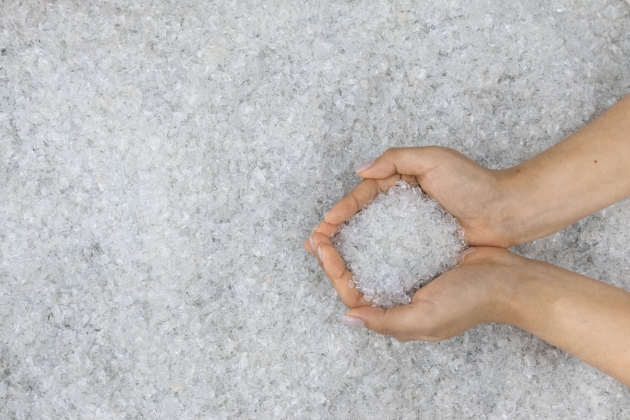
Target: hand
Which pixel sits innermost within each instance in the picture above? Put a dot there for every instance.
(473, 194)
(473, 293)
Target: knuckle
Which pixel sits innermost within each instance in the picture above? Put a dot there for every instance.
(349, 296)
(434, 333)
(437, 151)
(381, 329)
(346, 302)
(319, 238)
(391, 151)
(356, 301)
(352, 204)
(349, 301)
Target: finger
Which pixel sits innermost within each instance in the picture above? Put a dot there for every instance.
(358, 198)
(324, 228)
(408, 160)
(339, 276)
(334, 267)
(464, 256)
(398, 321)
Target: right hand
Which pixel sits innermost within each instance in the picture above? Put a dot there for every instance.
(475, 195)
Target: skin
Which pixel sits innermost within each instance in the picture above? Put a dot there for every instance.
(580, 315)
(584, 173)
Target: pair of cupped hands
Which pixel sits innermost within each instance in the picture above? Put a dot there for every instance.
(479, 289)
(582, 174)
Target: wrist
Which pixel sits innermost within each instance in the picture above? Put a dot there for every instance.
(521, 297)
(512, 283)
(522, 214)
(531, 296)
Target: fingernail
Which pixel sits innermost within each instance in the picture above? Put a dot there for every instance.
(462, 256)
(365, 165)
(310, 240)
(326, 215)
(319, 252)
(353, 322)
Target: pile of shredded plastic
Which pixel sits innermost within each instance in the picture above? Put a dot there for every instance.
(397, 243)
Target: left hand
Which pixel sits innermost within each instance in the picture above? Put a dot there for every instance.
(475, 292)
(472, 293)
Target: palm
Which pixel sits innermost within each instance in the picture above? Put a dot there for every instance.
(469, 295)
(456, 301)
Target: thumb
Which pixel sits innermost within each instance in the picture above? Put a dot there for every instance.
(403, 161)
(392, 321)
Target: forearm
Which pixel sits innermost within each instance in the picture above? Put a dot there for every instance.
(584, 317)
(582, 174)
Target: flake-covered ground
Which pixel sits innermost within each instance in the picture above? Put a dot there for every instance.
(162, 162)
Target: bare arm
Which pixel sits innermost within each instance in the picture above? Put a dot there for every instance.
(582, 316)
(585, 317)
(582, 174)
